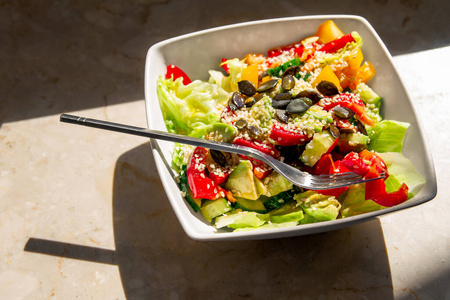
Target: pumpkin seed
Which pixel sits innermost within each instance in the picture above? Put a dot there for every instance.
(297, 106)
(282, 115)
(218, 157)
(267, 86)
(292, 70)
(241, 124)
(255, 131)
(288, 82)
(247, 88)
(343, 112)
(237, 100)
(334, 131)
(312, 95)
(361, 127)
(280, 103)
(283, 96)
(327, 88)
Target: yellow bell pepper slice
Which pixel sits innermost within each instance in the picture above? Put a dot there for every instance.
(250, 73)
(327, 74)
(328, 31)
(366, 72)
(266, 78)
(355, 59)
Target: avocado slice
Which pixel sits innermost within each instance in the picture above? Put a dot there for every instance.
(276, 184)
(318, 206)
(261, 188)
(241, 182)
(221, 132)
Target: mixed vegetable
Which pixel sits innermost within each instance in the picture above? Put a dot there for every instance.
(307, 104)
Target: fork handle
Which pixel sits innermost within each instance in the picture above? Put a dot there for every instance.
(166, 136)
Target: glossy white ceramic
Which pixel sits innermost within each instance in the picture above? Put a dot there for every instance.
(198, 52)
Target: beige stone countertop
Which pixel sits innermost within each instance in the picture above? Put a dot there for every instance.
(83, 214)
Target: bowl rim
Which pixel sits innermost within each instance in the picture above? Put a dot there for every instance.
(163, 166)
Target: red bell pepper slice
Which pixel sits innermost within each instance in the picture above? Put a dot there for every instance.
(336, 140)
(376, 160)
(356, 164)
(266, 148)
(220, 177)
(175, 72)
(201, 185)
(227, 113)
(376, 190)
(370, 166)
(285, 137)
(225, 66)
(351, 101)
(326, 165)
(297, 48)
(337, 44)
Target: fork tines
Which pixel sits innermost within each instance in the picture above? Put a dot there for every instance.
(342, 178)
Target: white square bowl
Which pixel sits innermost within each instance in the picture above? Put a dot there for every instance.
(198, 52)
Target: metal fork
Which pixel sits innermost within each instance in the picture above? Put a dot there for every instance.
(296, 176)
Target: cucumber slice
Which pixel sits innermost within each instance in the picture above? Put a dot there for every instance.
(372, 100)
(213, 208)
(317, 147)
(187, 194)
(251, 205)
(367, 94)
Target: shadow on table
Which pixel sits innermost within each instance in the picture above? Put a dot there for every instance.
(156, 258)
(64, 57)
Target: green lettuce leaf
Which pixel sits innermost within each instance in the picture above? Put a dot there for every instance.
(354, 202)
(190, 109)
(230, 83)
(347, 50)
(268, 226)
(180, 156)
(241, 219)
(387, 136)
(403, 170)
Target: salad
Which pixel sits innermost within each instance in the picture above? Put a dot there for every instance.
(307, 104)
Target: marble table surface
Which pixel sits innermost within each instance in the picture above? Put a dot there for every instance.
(83, 214)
